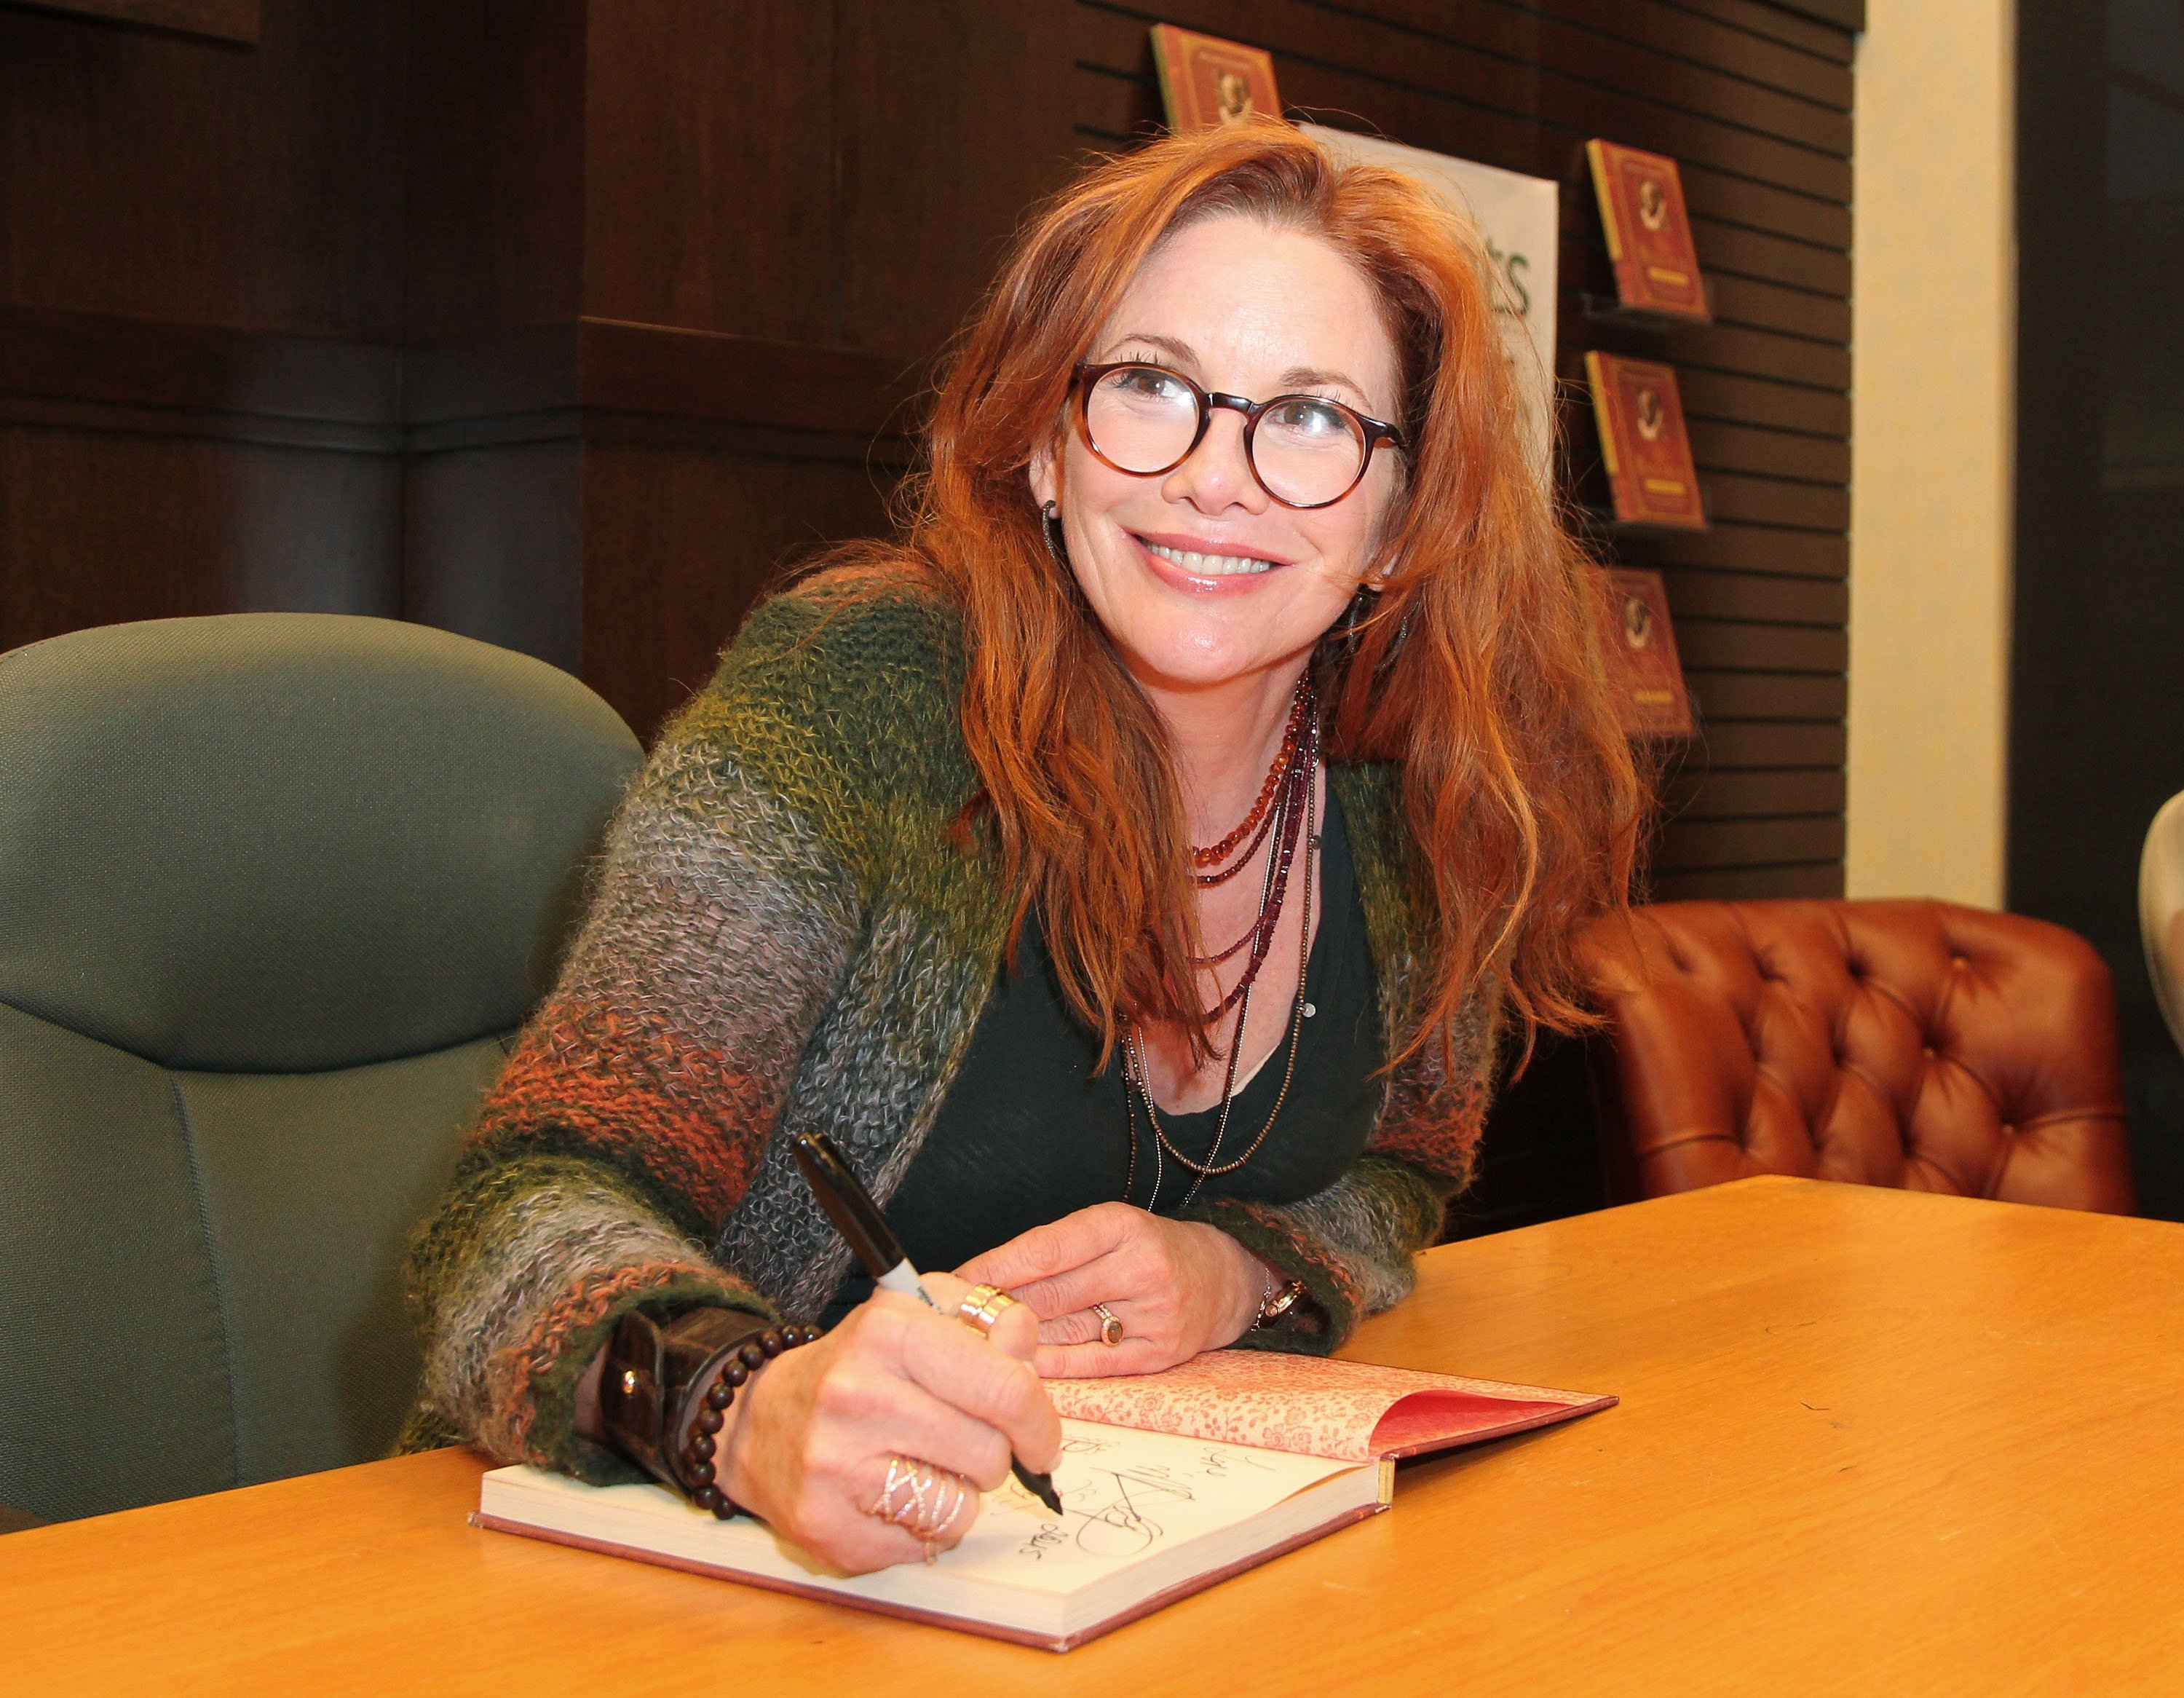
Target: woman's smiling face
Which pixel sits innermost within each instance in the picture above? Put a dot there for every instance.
(1198, 576)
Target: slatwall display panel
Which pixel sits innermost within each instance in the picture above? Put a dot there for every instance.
(1753, 100)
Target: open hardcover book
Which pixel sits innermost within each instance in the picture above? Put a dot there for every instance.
(1169, 1482)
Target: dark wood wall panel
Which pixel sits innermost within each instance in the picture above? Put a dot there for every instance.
(1734, 251)
(1828, 44)
(185, 179)
(677, 524)
(927, 206)
(200, 287)
(494, 544)
(683, 97)
(494, 166)
(1734, 46)
(1733, 445)
(222, 20)
(97, 520)
(1737, 398)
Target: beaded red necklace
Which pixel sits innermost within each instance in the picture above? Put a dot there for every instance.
(1287, 783)
(1260, 819)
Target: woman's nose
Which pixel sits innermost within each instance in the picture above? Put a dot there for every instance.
(1217, 474)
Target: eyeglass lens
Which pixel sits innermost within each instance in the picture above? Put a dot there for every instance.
(1143, 419)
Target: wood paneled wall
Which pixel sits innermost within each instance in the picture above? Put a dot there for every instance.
(565, 323)
(199, 299)
(710, 302)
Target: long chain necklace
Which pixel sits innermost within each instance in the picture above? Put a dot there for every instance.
(1135, 1076)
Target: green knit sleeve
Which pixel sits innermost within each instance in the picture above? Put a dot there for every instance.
(638, 1101)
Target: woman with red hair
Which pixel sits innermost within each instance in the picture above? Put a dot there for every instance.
(1135, 871)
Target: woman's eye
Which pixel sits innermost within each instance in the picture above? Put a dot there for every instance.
(1148, 382)
(1309, 418)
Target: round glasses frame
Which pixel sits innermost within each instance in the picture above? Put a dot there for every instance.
(1373, 432)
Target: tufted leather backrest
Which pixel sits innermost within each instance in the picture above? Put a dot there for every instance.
(1916, 1044)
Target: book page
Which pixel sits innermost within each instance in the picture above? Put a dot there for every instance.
(1352, 1411)
(1128, 1498)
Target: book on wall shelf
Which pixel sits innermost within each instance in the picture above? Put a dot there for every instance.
(1649, 233)
(1206, 81)
(1644, 675)
(1643, 443)
(1170, 1483)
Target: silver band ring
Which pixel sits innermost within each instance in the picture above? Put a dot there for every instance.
(1110, 1325)
(981, 1306)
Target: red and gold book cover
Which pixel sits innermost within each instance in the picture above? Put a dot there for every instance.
(1643, 441)
(1649, 235)
(1206, 82)
(1639, 645)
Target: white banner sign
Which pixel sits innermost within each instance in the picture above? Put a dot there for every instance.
(1520, 218)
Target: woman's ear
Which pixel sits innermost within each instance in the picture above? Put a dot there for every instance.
(1044, 476)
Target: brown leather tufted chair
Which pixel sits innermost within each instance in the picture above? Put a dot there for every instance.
(1916, 1044)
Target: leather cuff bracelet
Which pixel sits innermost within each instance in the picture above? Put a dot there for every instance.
(668, 1384)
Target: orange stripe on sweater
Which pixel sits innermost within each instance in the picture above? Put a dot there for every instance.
(640, 1095)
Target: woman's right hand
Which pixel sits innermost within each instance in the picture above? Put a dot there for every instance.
(811, 1436)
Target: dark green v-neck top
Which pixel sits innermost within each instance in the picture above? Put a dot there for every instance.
(1028, 1132)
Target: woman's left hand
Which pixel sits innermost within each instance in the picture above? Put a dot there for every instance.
(1178, 1287)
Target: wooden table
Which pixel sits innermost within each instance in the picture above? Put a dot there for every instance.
(1870, 1441)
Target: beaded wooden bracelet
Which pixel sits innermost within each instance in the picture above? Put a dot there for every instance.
(730, 1370)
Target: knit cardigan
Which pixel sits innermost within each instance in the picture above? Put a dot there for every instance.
(783, 934)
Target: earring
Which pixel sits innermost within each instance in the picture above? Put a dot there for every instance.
(1354, 617)
(1402, 631)
(1351, 615)
(1049, 528)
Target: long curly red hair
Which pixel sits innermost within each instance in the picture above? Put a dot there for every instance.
(1478, 672)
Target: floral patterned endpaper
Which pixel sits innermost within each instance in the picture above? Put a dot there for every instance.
(1317, 1407)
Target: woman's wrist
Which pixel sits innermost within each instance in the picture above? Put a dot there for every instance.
(738, 1478)
(667, 1390)
(703, 1429)
(1254, 1281)
(1271, 1295)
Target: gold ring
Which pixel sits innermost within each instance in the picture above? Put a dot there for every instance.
(983, 1305)
(1110, 1325)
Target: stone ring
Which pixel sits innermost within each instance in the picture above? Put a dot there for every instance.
(1110, 1325)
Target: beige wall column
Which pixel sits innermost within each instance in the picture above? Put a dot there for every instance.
(1932, 375)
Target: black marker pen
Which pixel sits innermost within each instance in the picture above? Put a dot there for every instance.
(850, 1207)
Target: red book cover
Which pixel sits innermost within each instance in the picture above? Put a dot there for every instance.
(1649, 234)
(1206, 82)
(1643, 443)
(1639, 645)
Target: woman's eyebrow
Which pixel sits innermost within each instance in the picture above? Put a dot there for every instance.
(1180, 352)
(1305, 374)
(1297, 376)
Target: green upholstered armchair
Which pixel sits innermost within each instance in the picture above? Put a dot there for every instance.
(274, 891)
